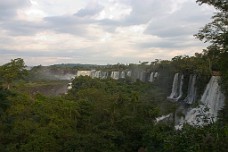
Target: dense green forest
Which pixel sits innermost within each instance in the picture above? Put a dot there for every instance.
(102, 115)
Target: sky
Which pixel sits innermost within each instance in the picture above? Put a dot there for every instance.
(99, 31)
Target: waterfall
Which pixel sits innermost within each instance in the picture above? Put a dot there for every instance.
(103, 75)
(129, 73)
(180, 88)
(156, 75)
(191, 90)
(174, 92)
(151, 79)
(97, 74)
(212, 101)
(122, 75)
(115, 75)
(177, 92)
(212, 97)
(153, 76)
(83, 73)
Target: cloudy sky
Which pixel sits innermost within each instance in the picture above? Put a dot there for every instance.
(99, 31)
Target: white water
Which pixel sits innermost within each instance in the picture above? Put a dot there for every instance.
(191, 96)
(115, 75)
(163, 117)
(156, 75)
(151, 79)
(129, 73)
(212, 101)
(83, 73)
(104, 75)
(177, 86)
(180, 88)
(97, 74)
(212, 97)
(122, 75)
(174, 92)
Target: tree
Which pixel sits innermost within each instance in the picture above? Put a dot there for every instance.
(218, 4)
(216, 32)
(13, 70)
(4, 102)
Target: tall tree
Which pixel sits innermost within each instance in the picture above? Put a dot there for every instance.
(216, 32)
(13, 70)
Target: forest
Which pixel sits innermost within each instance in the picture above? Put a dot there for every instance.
(107, 115)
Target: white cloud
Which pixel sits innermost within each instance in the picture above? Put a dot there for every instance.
(114, 11)
(99, 31)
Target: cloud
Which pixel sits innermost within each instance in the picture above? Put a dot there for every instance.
(20, 27)
(91, 9)
(144, 11)
(179, 23)
(181, 43)
(99, 32)
(8, 8)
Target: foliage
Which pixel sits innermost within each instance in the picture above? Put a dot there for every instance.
(97, 115)
(4, 102)
(216, 32)
(197, 64)
(13, 70)
(117, 116)
(208, 138)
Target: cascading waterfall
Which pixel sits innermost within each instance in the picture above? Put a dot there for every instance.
(177, 92)
(212, 101)
(174, 92)
(153, 76)
(212, 97)
(115, 75)
(156, 75)
(83, 73)
(191, 96)
(97, 74)
(135, 74)
(122, 75)
(151, 79)
(129, 73)
(104, 75)
(180, 88)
